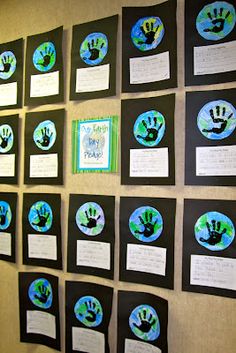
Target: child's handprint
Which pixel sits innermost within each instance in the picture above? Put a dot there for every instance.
(146, 323)
(94, 48)
(45, 138)
(44, 293)
(217, 20)
(147, 224)
(6, 62)
(152, 131)
(91, 218)
(149, 32)
(215, 235)
(3, 215)
(47, 56)
(4, 137)
(219, 118)
(43, 216)
(92, 311)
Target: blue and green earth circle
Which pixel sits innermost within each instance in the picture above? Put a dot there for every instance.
(44, 57)
(40, 293)
(94, 48)
(45, 135)
(144, 323)
(88, 310)
(90, 218)
(5, 215)
(7, 64)
(40, 216)
(6, 138)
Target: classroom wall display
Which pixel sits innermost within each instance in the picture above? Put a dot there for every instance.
(11, 74)
(44, 82)
(149, 47)
(44, 133)
(42, 230)
(9, 149)
(93, 59)
(39, 309)
(88, 311)
(210, 151)
(209, 257)
(91, 237)
(95, 145)
(210, 42)
(147, 141)
(142, 323)
(8, 236)
(147, 228)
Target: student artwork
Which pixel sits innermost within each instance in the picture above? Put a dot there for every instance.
(44, 147)
(210, 145)
(44, 68)
(11, 74)
(9, 149)
(42, 230)
(142, 323)
(211, 47)
(8, 226)
(93, 59)
(149, 52)
(147, 141)
(209, 259)
(39, 309)
(95, 145)
(88, 311)
(147, 241)
(92, 235)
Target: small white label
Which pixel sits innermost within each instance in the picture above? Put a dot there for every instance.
(87, 340)
(44, 85)
(44, 166)
(7, 165)
(8, 94)
(151, 162)
(41, 323)
(5, 243)
(151, 68)
(93, 254)
(216, 58)
(92, 79)
(133, 346)
(42, 246)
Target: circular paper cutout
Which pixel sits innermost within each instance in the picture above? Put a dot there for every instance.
(88, 311)
(44, 57)
(40, 293)
(144, 323)
(94, 48)
(7, 64)
(45, 135)
(5, 215)
(6, 138)
(40, 216)
(90, 218)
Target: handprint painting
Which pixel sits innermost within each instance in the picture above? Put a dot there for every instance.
(214, 231)
(44, 57)
(90, 218)
(88, 311)
(40, 216)
(40, 293)
(7, 64)
(6, 138)
(5, 215)
(144, 323)
(216, 20)
(147, 33)
(146, 224)
(217, 120)
(149, 128)
(45, 135)
(94, 48)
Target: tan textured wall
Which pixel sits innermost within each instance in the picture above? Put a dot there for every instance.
(197, 323)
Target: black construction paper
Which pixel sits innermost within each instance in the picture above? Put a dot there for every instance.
(41, 216)
(214, 31)
(147, 222)
(94, 48)
(148, 111)
(9, 148)
(38, 295)
(11, 74)
(164, 43)
(44, 57)
(44, 133)
(88, 307)
(218, 106)
(8, 202)
(209, 231)
(142, 320)
(91, 219)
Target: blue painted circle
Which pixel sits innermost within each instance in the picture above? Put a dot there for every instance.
(6, 138)
(90, 218)
(216, 20)
(146, 224)
(144, 323)
(88, 310)
(40, 293)
(45, 135)
(94, 48)
(149, 128)
(7, 64)
(5, 215)
(147, 33)
(214, 231)
(40, 216)
(217, 120)
(44, 57)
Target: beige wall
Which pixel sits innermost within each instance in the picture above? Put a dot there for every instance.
(197, 323)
